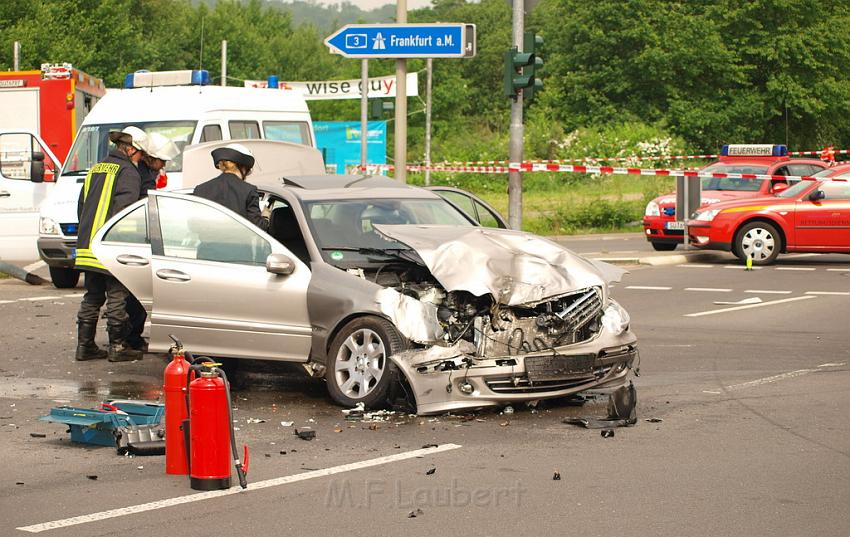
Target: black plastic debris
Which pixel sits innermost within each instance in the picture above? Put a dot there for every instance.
(654, 420)
(426, 446)
(92, 477)
(268, 455)
(557, 476)
(283, 452)
(146, 449)
(607, 433)
(38, 435)
(19, 482)
(431, 471)
(305, 434)
(621, 411)
(415, 513)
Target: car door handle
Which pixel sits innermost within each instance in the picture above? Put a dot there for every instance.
(4, 194)
(172, 275)
(132, 260)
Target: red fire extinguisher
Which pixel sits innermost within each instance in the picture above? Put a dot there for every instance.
(176, 412)
(211, 436)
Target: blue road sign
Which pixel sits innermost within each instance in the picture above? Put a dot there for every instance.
(404, 41)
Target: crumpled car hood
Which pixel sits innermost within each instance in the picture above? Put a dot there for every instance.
(516, 268)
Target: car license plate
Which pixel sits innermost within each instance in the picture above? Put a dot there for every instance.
(674, 225)
(558, 367)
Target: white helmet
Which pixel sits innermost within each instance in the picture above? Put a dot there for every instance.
(132, 136)
(237, 153)
(161, 147)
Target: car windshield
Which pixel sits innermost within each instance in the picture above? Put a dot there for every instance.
(344, 229)
(726, 183)
(794, 190)
(92, 143)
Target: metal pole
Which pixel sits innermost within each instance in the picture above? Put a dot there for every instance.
(16, 52)
(686, 212)
(516, 131)
(401, 103)
(364, 109)
(429, 66)
(224, 62)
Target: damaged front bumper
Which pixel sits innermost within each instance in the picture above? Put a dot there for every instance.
(445, 379)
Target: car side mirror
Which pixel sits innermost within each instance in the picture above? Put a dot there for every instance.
(37, 167)
(779, 187)
(280, 264)
(817, 195)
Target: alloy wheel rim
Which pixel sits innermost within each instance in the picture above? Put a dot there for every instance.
(758, 243)
(359, 363)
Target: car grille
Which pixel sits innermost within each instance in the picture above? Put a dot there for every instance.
(69, 229)
(521, 384)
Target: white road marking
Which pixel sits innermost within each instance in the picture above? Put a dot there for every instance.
(768, 292)
(648, 288)
(790, 256)
(749, 306)
(35, 266)
(695, 265)
(712, 392)
(7, 301)
(39, 298)
(708, 289)
(741, 267)
(838, 269)
(833, 364)
(768, 380)
(74, 295)
(796, 268)
(829, 293)
(191, 498)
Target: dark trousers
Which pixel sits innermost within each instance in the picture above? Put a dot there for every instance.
(137, 316)
(105, 289)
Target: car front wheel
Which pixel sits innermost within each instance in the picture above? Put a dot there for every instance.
(64, 278)
(759, 241)
(359, 368)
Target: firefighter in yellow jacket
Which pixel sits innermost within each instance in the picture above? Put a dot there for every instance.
(109, 187)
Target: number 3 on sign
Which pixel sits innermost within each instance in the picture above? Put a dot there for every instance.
(355, 41)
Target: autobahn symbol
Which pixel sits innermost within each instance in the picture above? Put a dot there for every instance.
(456, 40)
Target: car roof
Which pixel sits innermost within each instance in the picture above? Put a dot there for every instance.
(321, 187)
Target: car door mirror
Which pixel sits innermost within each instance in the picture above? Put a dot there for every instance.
(37, 167)
(779, 187)
(280, 264)
(817, 195)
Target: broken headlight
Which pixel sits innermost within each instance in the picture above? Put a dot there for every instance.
(615, 319)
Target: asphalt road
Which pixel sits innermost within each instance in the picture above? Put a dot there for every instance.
(754, 438)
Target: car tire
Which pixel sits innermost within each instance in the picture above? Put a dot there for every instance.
(664, 246)
(64, 278)
(359, 367)
(759, 240)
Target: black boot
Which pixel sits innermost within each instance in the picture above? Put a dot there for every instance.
(119, 350)
(87, 349)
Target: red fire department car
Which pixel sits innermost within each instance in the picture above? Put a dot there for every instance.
(810, 216)
(663, 230)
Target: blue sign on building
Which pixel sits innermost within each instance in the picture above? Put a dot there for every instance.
(404, 41)
(339, 141)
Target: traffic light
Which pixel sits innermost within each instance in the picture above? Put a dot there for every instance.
(520, 69)
(531, 44)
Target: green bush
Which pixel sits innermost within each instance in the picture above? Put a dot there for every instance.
(596, 216)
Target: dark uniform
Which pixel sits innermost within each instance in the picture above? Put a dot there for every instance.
(109, 187)
(232, 192)
(149, 177)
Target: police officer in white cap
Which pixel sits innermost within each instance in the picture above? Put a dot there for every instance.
(230, 189)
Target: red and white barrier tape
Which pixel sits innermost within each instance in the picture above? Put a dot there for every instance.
(527, 167)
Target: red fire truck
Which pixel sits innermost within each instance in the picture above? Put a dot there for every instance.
(51, 102)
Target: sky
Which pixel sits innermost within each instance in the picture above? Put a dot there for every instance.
(372, 4)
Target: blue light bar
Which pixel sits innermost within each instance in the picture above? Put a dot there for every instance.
(148, 79)
(754, 150)
(273, 82)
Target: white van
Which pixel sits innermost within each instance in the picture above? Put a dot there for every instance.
(188, 114)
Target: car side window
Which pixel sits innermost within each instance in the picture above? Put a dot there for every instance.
(836, 191)
(464, 202)
(211, 133)
(133, 228)
(192, 230)
(804, 170)
(485, 217)
(241, 130)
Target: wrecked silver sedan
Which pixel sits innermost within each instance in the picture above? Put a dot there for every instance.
(381, 288)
